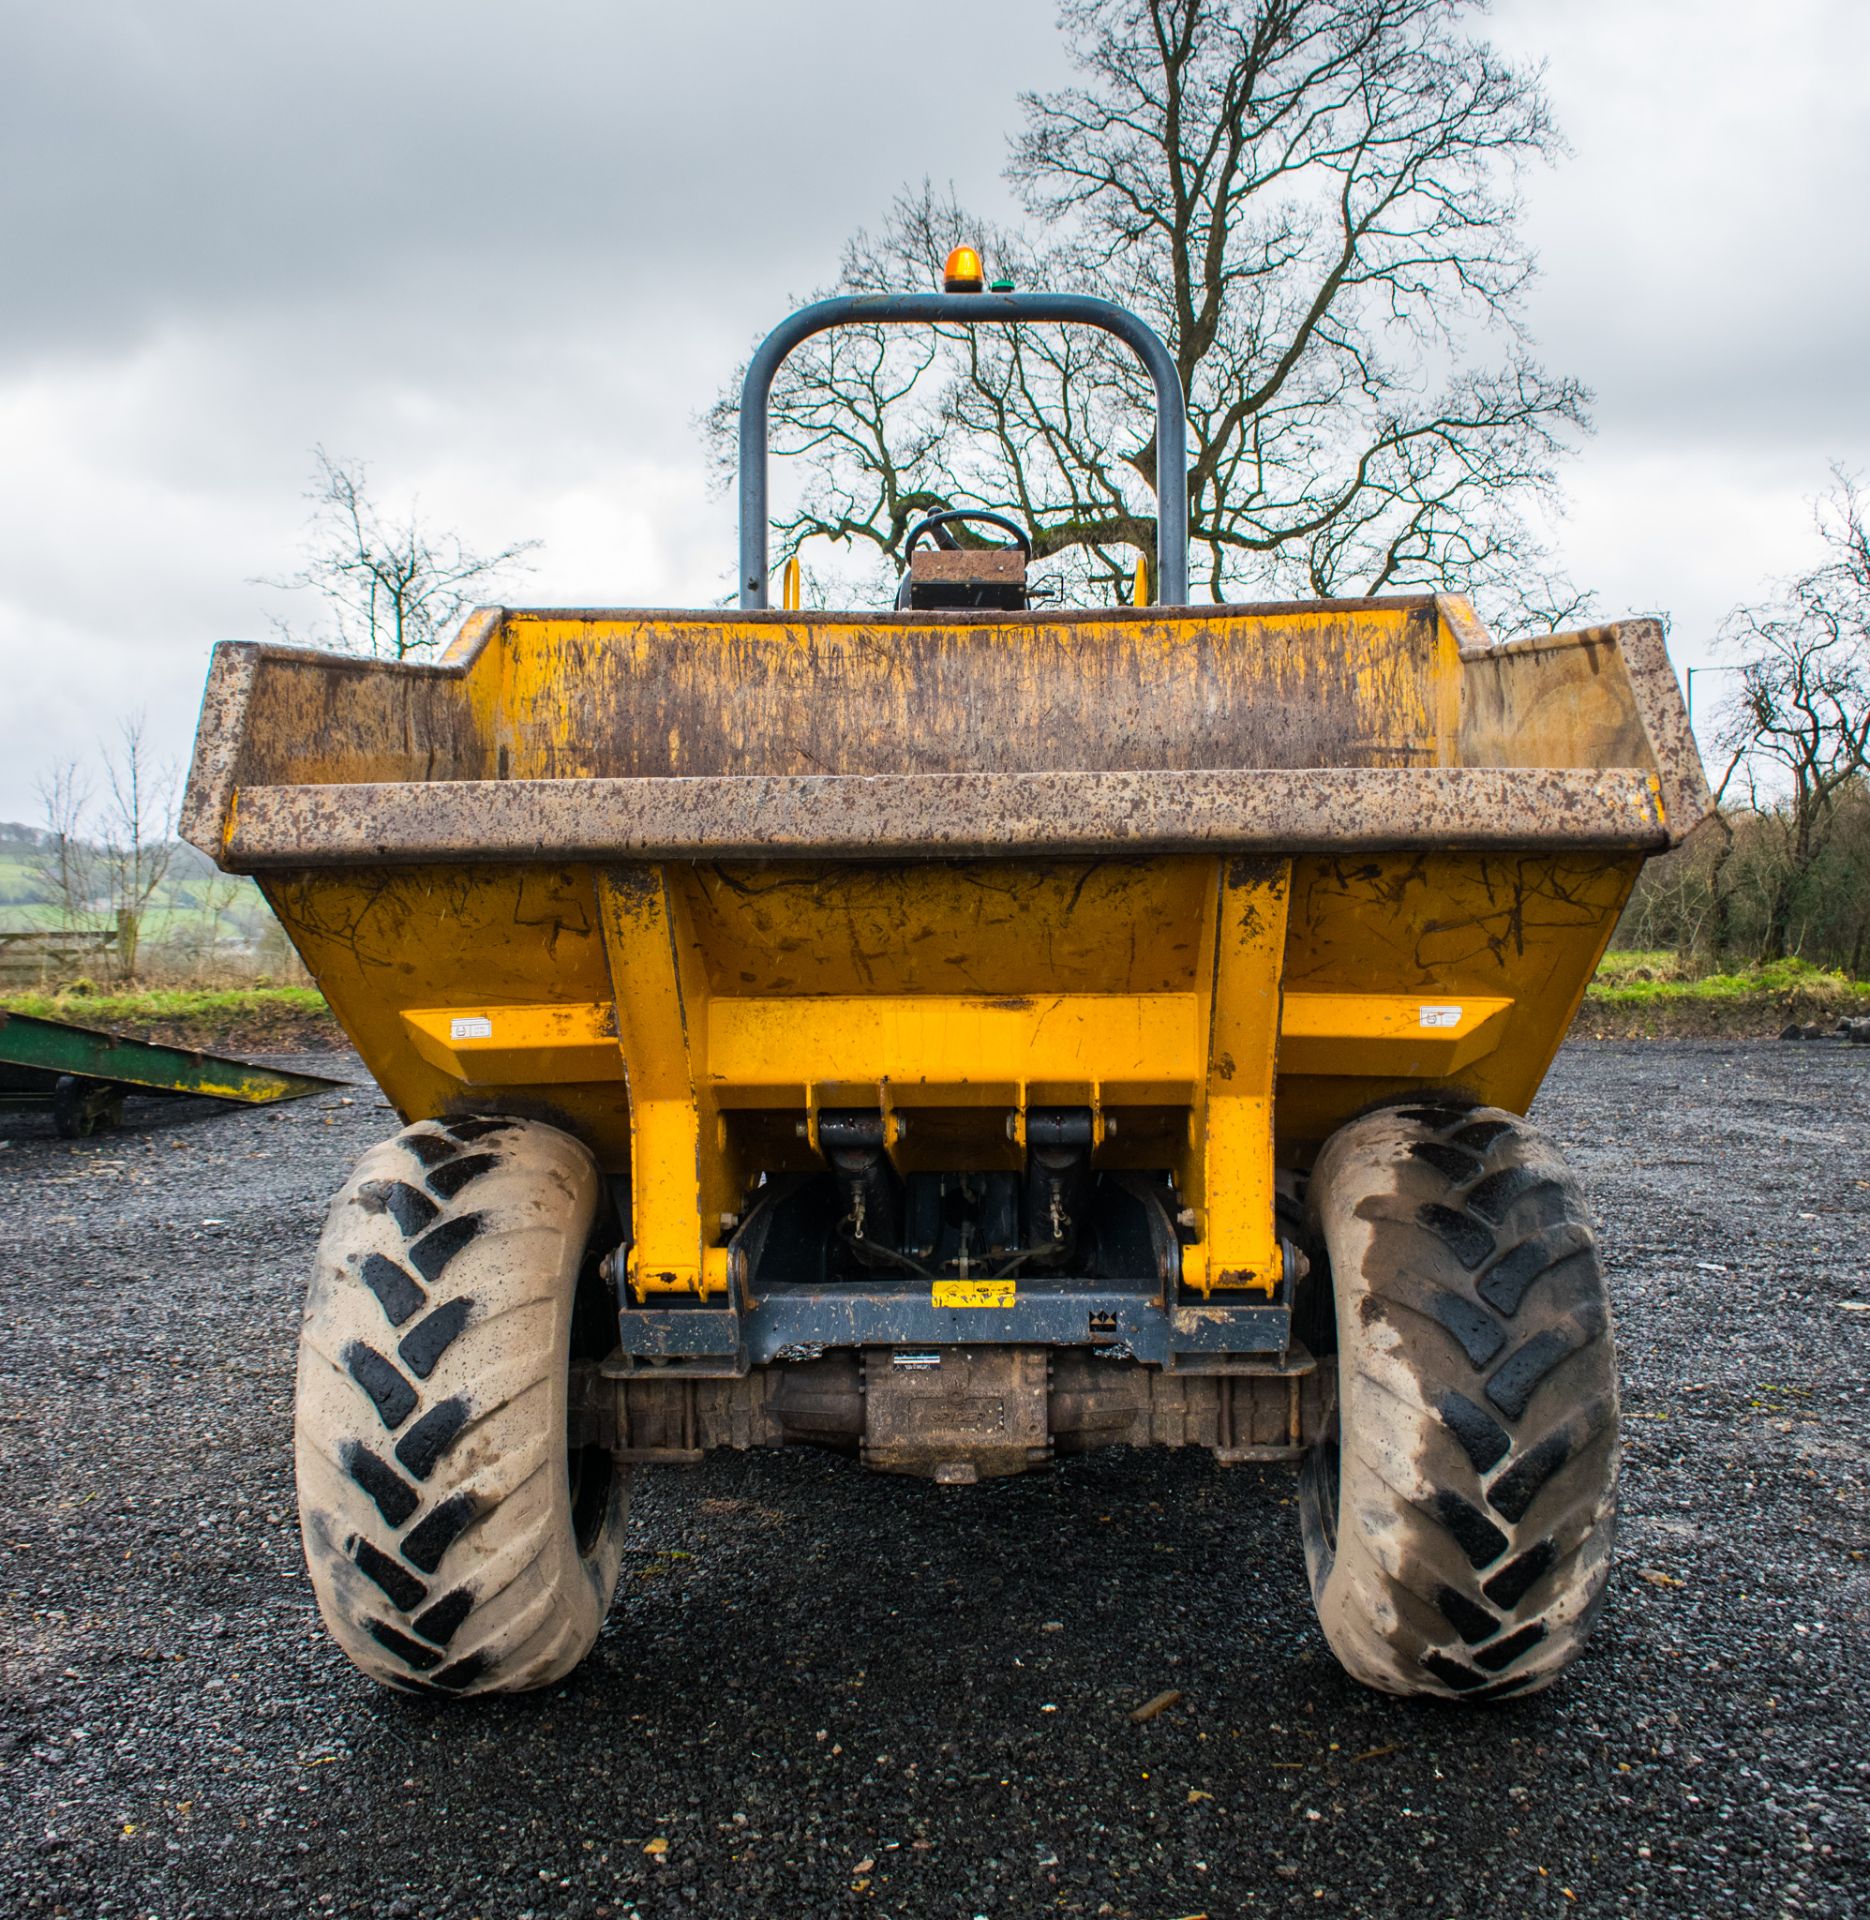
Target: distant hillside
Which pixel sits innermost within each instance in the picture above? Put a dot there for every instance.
(194, 902)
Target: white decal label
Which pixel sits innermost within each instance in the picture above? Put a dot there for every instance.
(476, 1026)
(1440, 1016)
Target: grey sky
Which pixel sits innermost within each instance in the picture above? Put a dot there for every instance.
(506, 253)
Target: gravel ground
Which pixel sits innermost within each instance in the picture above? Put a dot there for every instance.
(821, 1691)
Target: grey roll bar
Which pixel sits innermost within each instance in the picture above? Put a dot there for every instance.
(968, 309)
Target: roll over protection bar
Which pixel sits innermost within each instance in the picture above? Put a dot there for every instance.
(969, 310)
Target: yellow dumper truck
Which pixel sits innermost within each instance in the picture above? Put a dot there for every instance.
(961, 1034)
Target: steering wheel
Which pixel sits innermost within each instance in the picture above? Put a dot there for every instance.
(936, 526)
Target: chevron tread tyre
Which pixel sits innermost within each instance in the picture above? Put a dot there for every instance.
(1458, 1523)
(456, 1542)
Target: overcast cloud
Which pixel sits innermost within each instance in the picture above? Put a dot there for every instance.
(505, 254)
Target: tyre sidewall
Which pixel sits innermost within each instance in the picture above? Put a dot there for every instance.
(1381, 1562)
(531, 1601)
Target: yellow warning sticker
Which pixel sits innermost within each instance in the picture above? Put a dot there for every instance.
(974, 1293)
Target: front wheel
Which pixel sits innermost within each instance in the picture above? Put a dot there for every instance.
(1457, 1523)
(457, 1539)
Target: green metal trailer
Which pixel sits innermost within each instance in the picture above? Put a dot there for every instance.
(83, 1073)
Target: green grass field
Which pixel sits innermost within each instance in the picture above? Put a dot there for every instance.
(1632, 979)
(193, 907)
(154, 1006)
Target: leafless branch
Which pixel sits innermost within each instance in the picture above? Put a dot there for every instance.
(391, 587)
(1796, 732)
(64, 861)
(136, 833)
(1316, 202)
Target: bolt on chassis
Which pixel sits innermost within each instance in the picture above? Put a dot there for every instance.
(963, 1034)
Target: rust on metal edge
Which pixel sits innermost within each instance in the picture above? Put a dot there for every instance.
(1687, 799)
(1458, 616)
(888, 816)
(1656, 701)
(220, 733)
(471, 636)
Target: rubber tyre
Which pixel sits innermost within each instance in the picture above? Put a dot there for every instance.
(455, 1541)
(1458, 1522)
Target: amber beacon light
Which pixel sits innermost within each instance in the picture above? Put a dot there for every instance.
(962, 273)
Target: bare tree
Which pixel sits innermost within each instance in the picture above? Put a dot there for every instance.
(64, 862)
(1797, 731)
(391, 587)
(1316, 203)
(137, 836)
